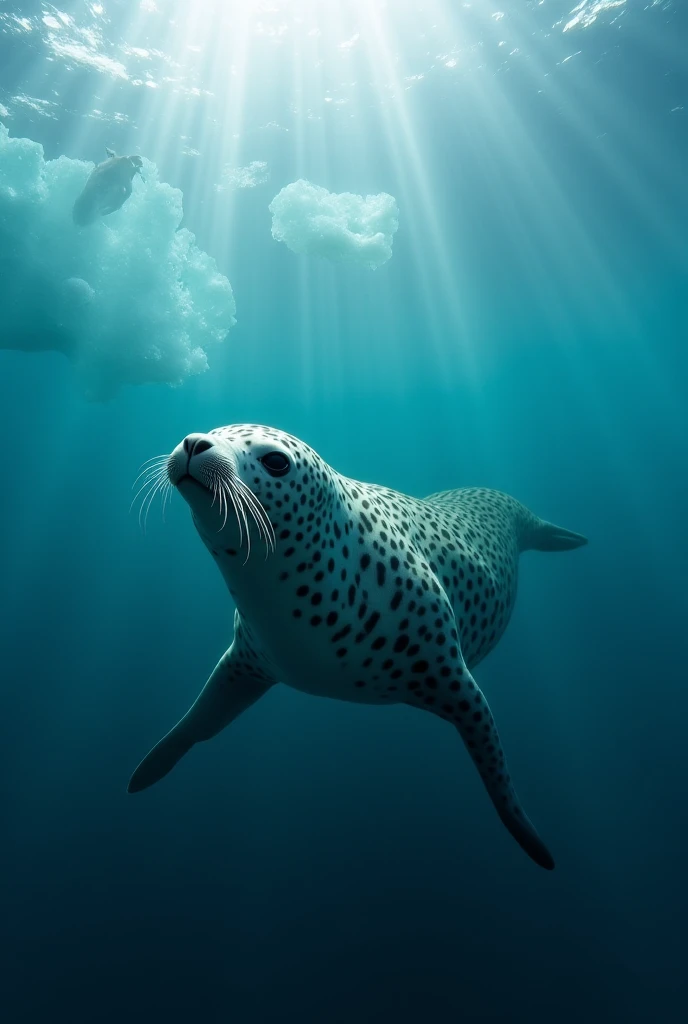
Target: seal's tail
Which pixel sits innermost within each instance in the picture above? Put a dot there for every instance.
(538, 535)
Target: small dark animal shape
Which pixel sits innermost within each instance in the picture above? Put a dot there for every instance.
(359, 593)
(107, 189)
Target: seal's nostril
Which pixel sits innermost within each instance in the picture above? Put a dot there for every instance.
(195, 444)
(202, 445)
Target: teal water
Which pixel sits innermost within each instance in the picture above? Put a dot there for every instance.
(323, 861)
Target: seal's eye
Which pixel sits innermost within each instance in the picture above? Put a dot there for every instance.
(276, 463)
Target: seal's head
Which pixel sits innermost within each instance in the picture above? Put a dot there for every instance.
(249, 480)
(136, 164)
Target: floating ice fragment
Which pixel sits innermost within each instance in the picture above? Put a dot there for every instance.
(340, 227)
(255, 173)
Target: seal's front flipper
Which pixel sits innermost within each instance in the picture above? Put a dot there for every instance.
(459, 700)
(228, 692)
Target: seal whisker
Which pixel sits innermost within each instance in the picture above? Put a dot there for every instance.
(248, 531)
(224, 505)
(239, 506)
(238, 518)
(242, 500)
(166, 495)
(262, 523)
(150, 482)
(223, 484)
(152, 478)
(223, 502)
(157, 460)
(228, 485)
(219, 492)
(229, 498)
(150, 474)
(148, 501)
(265, 529)
(154, 487)
(260, 517)
(259, 513)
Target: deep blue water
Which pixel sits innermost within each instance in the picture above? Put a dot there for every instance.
(322, 861)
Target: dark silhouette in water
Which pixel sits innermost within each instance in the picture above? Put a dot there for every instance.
(107, 189)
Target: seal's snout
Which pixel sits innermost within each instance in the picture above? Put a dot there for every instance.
(196, 444)
(192, 459)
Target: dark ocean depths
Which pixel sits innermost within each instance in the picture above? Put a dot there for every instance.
(330, 862)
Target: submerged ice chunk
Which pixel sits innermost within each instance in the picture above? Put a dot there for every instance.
(253, 174)
(340, 227)
(77, 292)
(130, 299)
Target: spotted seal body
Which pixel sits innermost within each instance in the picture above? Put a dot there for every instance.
(352, 591)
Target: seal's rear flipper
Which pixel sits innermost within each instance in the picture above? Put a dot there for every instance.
(161, 759)
(544, 536)
(228, 692)
(479, 732)
(527, 838)
(458, 699)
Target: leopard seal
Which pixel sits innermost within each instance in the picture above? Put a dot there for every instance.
(352, 591)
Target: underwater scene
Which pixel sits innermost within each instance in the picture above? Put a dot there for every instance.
(343, 557)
